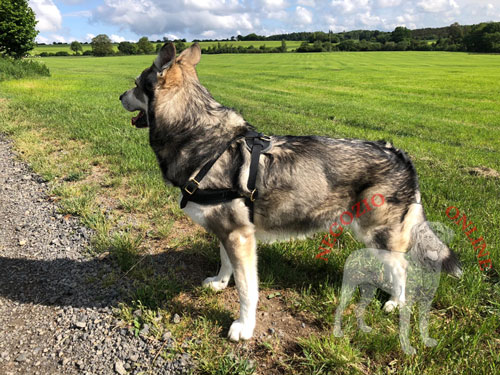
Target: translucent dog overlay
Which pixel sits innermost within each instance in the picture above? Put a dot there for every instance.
(411, 278)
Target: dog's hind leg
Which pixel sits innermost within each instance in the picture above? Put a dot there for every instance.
(424, 308)
(367, 294)
(404, 328)
(345, 296)
(220, 281)
(240, 246)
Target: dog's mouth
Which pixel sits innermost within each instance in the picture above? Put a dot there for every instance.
(140, 121)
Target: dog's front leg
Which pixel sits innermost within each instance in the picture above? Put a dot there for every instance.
(398, 276)
(404, 328)
(220, 281)
(240, 246)
(424, 309)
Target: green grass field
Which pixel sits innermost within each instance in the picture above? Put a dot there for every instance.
(442, 108)
(291, 45)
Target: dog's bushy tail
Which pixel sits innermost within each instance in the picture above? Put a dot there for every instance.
(428, 245)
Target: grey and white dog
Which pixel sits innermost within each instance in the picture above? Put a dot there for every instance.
(413, 275)
(304, 183)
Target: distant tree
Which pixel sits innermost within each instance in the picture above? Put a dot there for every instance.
(75, 47)
(128, 48)
(400, 34)
(17, 28)
(145, 46)
(180, 45)
(317, 46)
(484, 37)
(402, 45)
(348, 45)
(283, 46)
(101, 45)
(456, 33)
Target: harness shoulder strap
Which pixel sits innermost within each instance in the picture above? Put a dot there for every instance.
(193, 184)
(256, 142)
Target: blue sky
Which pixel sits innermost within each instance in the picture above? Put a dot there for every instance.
(68, 20)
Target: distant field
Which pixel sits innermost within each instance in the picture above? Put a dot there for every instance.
(442, 108)
(291, 45)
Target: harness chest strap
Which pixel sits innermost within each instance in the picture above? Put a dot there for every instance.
(256, 142)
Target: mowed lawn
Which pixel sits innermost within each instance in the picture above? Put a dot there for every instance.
(442, 108)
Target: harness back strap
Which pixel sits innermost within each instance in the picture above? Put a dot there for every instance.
(257, 142)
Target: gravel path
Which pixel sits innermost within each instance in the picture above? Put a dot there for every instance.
(55, 313)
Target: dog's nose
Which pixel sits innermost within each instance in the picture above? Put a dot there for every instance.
(121, 96)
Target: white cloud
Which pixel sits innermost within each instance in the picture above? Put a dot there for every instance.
(79, 13)
(58, 38)
(304, 16)
(89, 37)
(278, 15)
(47, 14)
(72, 2)
(437, 6)
(388, 3)
(352, 6)
(116, 38)
(212, 4)
(307, 3)
(274, 4)
(42, 39)
(209, 34)
(370, 21)
(152, 17)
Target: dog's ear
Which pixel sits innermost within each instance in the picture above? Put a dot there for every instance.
(165, 56)
(191, 55)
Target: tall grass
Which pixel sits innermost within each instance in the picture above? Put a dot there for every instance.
(15, 69)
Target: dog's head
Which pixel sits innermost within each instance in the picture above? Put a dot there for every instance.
(430, 248)
(166, 73)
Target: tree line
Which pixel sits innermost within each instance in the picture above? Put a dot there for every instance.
(101, 45)
(484, 37)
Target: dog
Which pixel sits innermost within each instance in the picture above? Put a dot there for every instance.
(413, 275)
(303, 182)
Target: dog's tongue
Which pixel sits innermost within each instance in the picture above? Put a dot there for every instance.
(139, 115)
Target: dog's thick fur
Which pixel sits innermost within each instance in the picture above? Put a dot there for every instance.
(304, 183)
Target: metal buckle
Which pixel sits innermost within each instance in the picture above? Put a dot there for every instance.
(265, 138)
(253, 195)
(194, 188)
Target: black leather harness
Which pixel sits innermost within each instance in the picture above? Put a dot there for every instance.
(256, 143)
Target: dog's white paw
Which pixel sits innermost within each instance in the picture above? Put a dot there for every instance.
(240, 331)
(337, 331)
(215, 283)
(430, 342)
(410, 350)
(365, 328)
(390, 306)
